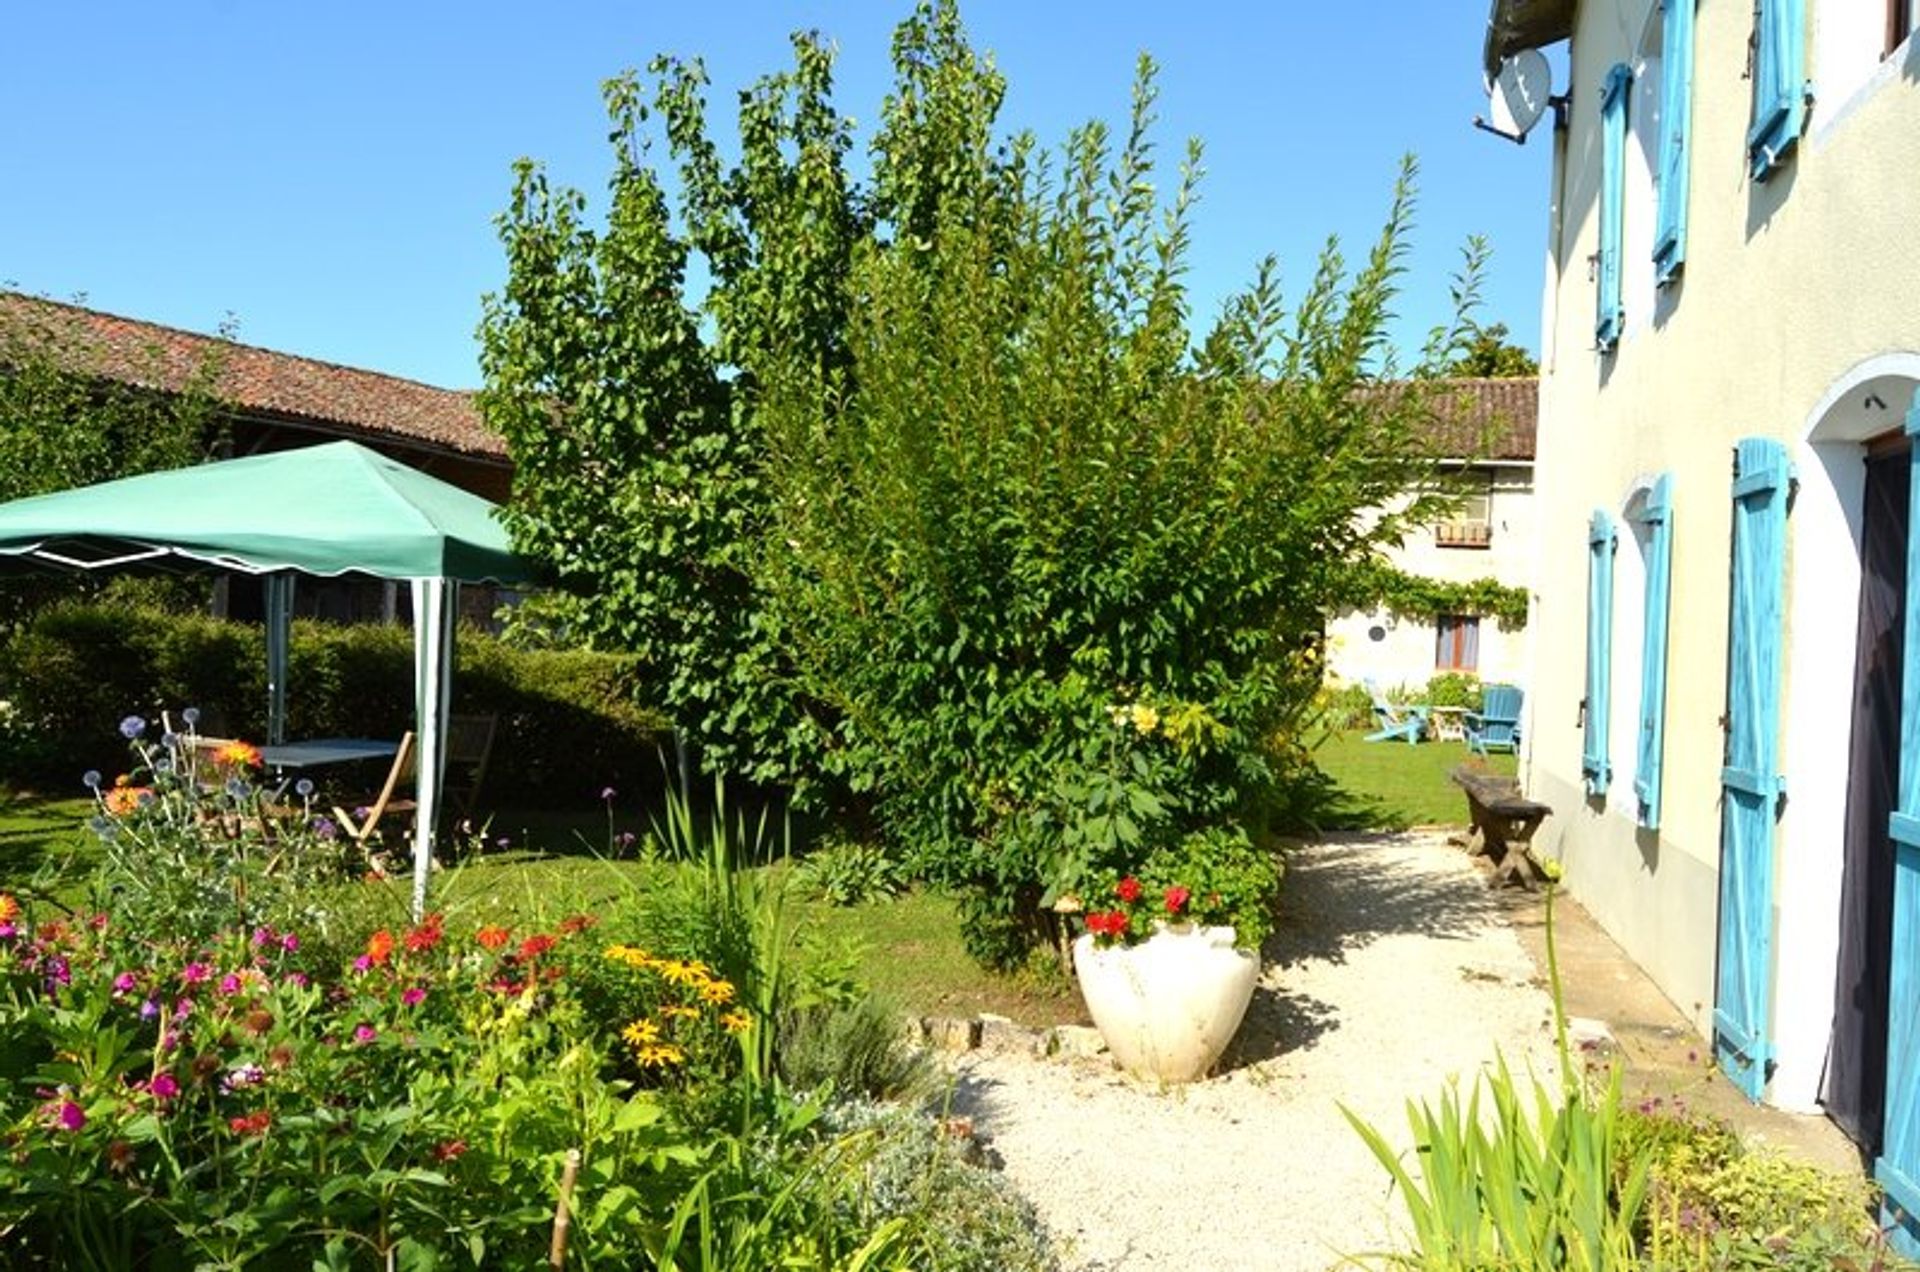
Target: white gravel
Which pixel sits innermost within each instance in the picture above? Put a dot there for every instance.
(1394, 971)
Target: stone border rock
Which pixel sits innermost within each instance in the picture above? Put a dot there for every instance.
(989, 1032)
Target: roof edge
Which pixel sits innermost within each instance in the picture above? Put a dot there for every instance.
(1513, 25)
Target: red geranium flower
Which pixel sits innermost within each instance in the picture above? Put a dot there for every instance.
(535, 946)
(255, 1123)
(493, 937)
(1129, 890)
(1177, 899)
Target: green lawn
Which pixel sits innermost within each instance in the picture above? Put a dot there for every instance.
(1389, 785)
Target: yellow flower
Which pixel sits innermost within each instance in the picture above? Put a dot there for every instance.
(717, 991)
(679, 1011)
(631, 957)
(680, 972)
(1145, 718)
(659, 1055)
(641, 1032)
(736, 1022)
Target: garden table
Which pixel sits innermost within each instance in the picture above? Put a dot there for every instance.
(1449, 723)
(317, 752)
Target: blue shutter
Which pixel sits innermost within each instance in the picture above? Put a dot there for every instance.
(1613, 167)
(1750, 781)
(1593, 758)
(1657, 515)
(1898, 1169)
(1780, 90)
(1676, 107)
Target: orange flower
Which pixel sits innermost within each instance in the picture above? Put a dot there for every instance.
(380, 946)
(493, 937)
(535, 946)
(239, 753)
(424, 937)
(9, 908)
(122, 800)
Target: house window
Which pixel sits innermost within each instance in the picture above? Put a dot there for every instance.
(1456, 645)
(1471, 525)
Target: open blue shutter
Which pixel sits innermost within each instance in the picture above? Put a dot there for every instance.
(1657, 515)
(1750, 779)
(1898, 1169)
(1676, 108)
(1613, 165)
(1600, 543)
(1780, 89)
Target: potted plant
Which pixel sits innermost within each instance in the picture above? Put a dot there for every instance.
(1168, 962)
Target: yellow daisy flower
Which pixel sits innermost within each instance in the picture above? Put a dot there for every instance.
(736, 1022)
(717, 991)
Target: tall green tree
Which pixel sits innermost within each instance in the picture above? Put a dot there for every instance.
(936, 494)
(1489, 353)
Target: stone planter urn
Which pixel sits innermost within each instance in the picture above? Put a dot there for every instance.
(1168, 1006)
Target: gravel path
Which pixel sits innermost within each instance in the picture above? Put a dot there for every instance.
(1394, 969)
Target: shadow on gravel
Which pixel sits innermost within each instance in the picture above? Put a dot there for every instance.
(1345, 894)
(1278, 1023)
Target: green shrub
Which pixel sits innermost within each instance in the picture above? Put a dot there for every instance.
(1454, 689)
(958, 1215)
(569, 722)
(853, 1049)
(1344, 707)
(843, 871)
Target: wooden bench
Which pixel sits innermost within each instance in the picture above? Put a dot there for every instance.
(1504, 821)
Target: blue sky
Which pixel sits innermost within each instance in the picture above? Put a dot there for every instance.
(328, 173)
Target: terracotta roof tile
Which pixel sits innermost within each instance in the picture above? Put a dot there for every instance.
(1486, 418)
(279, 385)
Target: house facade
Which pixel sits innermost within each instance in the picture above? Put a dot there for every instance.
(1723, 645)
(1484, 429)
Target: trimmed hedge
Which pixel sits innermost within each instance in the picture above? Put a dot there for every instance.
(569, 720)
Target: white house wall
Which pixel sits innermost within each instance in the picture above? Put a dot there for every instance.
(1798, 296)
(1404, 653)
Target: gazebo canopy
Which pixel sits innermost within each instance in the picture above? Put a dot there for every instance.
(333, 509)
(330, 509)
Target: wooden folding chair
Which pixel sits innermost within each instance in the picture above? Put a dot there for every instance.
(361, 829)
(469, 747)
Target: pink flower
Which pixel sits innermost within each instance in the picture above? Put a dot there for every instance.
(69, 1115)
(230, 983)
(262, 935)
(1177, 899)
(298, 979)
(414, 996)
(164, 1086)
(289, 942)
(365, 1033)
(363, 964)
(124, 984)
(194, 973)
(183, 1008)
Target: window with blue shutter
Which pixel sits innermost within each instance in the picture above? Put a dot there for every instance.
(1613, 179)
(1780, 89)
(1676, 109)
(1656, 514)
(1600, 545)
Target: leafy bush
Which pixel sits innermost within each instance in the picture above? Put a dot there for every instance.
(844, 871)
(1715, 1202)
(569, 721)
(854, 1049)
(958, 1216)
(1454, 689)
(1344, 707)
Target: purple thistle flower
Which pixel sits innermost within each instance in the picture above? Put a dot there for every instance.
(132, 727)
(324, 828)
(149, 1009)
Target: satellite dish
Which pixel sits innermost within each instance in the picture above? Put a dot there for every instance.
(1518, 95)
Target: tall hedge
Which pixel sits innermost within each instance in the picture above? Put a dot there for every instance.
(569, 720)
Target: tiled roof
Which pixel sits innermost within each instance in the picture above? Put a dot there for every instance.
(1486, 418)
(282, 386)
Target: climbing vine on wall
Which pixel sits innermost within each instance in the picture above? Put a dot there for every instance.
(1411, 596)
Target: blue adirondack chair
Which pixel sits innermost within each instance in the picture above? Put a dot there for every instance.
(1407, 724)
(1496, 725)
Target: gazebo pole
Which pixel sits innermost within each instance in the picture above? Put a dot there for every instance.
(433, 628)
(279, 616)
